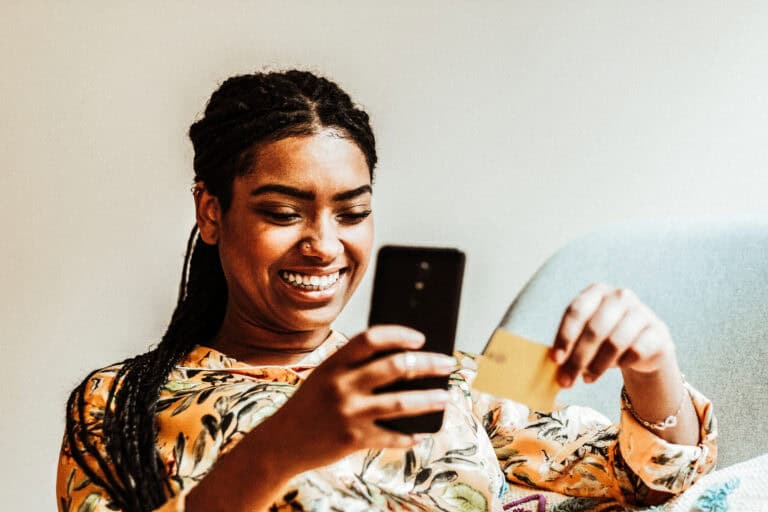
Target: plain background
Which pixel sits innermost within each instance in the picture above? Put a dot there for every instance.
(504, 128)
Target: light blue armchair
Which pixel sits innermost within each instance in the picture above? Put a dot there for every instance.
(707, 280)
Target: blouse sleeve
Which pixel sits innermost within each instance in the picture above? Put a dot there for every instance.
(78, 490)
(200, 416)
(577, 451)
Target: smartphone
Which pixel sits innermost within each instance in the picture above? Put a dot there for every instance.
(419, 287)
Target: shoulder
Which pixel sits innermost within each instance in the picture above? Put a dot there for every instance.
(94, 391)
(79, 474)
(86, 407)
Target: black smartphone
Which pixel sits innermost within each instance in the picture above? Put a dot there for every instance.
(419, 287)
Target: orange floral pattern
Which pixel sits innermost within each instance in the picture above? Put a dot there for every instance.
(489, 451)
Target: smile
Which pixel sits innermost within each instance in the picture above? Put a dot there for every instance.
(309, 282)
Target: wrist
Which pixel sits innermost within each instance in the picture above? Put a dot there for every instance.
(666, 370)
(275, 445)
(656, 391)
(653, 399)
(668, 422)
(251, 476)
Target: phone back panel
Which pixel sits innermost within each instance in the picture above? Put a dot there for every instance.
(420, 288)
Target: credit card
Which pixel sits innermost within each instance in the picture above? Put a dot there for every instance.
(519, 369)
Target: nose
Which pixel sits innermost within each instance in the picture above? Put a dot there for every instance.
(322, 242)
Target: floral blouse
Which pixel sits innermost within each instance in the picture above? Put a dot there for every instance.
(491, 454)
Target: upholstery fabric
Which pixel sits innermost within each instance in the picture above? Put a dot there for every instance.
(708, 280)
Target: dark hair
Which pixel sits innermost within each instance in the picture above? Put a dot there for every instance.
(244, 111)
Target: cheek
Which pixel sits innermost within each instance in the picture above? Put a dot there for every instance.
(273, 244)
(361, 244)
(255, 253)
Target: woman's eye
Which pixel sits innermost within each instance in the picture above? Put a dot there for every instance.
(354, 217)
(281, 217)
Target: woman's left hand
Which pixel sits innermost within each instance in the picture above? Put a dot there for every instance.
(607, 327)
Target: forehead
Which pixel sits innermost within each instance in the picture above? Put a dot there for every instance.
(324, 161)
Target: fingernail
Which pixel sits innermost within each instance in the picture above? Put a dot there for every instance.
(441, 396)
(588, 377)
(413, 337)
(433, 398)
(447, 363)
(438, 397)
(558, 355)
(565, 381)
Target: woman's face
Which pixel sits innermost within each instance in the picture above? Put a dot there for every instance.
(297, 237)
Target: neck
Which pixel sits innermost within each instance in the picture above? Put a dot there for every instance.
(259, 345)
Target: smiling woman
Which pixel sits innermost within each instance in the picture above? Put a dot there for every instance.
(252, 402)
(294, 243)
(283, 170)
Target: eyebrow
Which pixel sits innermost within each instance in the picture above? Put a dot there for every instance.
(307, 195)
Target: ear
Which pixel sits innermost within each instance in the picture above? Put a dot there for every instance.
(208, 213)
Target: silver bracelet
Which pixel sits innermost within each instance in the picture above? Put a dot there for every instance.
(668, 422)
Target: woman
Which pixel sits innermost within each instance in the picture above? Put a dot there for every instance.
(252, 402)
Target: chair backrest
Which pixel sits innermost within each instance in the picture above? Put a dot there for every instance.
(707, 280)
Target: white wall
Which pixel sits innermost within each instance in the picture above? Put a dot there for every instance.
(504, 128)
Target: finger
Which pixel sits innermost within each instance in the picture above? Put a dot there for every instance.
(400, 366)
(645, 352)
(601, 362)
(574, 318)
(404, 403)
(592, 337)
(623, 335)
(377, 339)
(628, 331)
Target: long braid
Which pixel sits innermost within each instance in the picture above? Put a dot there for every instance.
(243, 112)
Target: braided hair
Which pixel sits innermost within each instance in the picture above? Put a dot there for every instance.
(246, 110)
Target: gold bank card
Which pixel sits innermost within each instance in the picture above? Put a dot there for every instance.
(519, 369)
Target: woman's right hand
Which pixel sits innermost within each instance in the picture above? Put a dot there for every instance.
(334, 412)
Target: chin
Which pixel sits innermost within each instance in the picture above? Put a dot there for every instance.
(302, 318)
(307, 321)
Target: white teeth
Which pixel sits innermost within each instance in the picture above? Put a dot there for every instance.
(310, 282)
